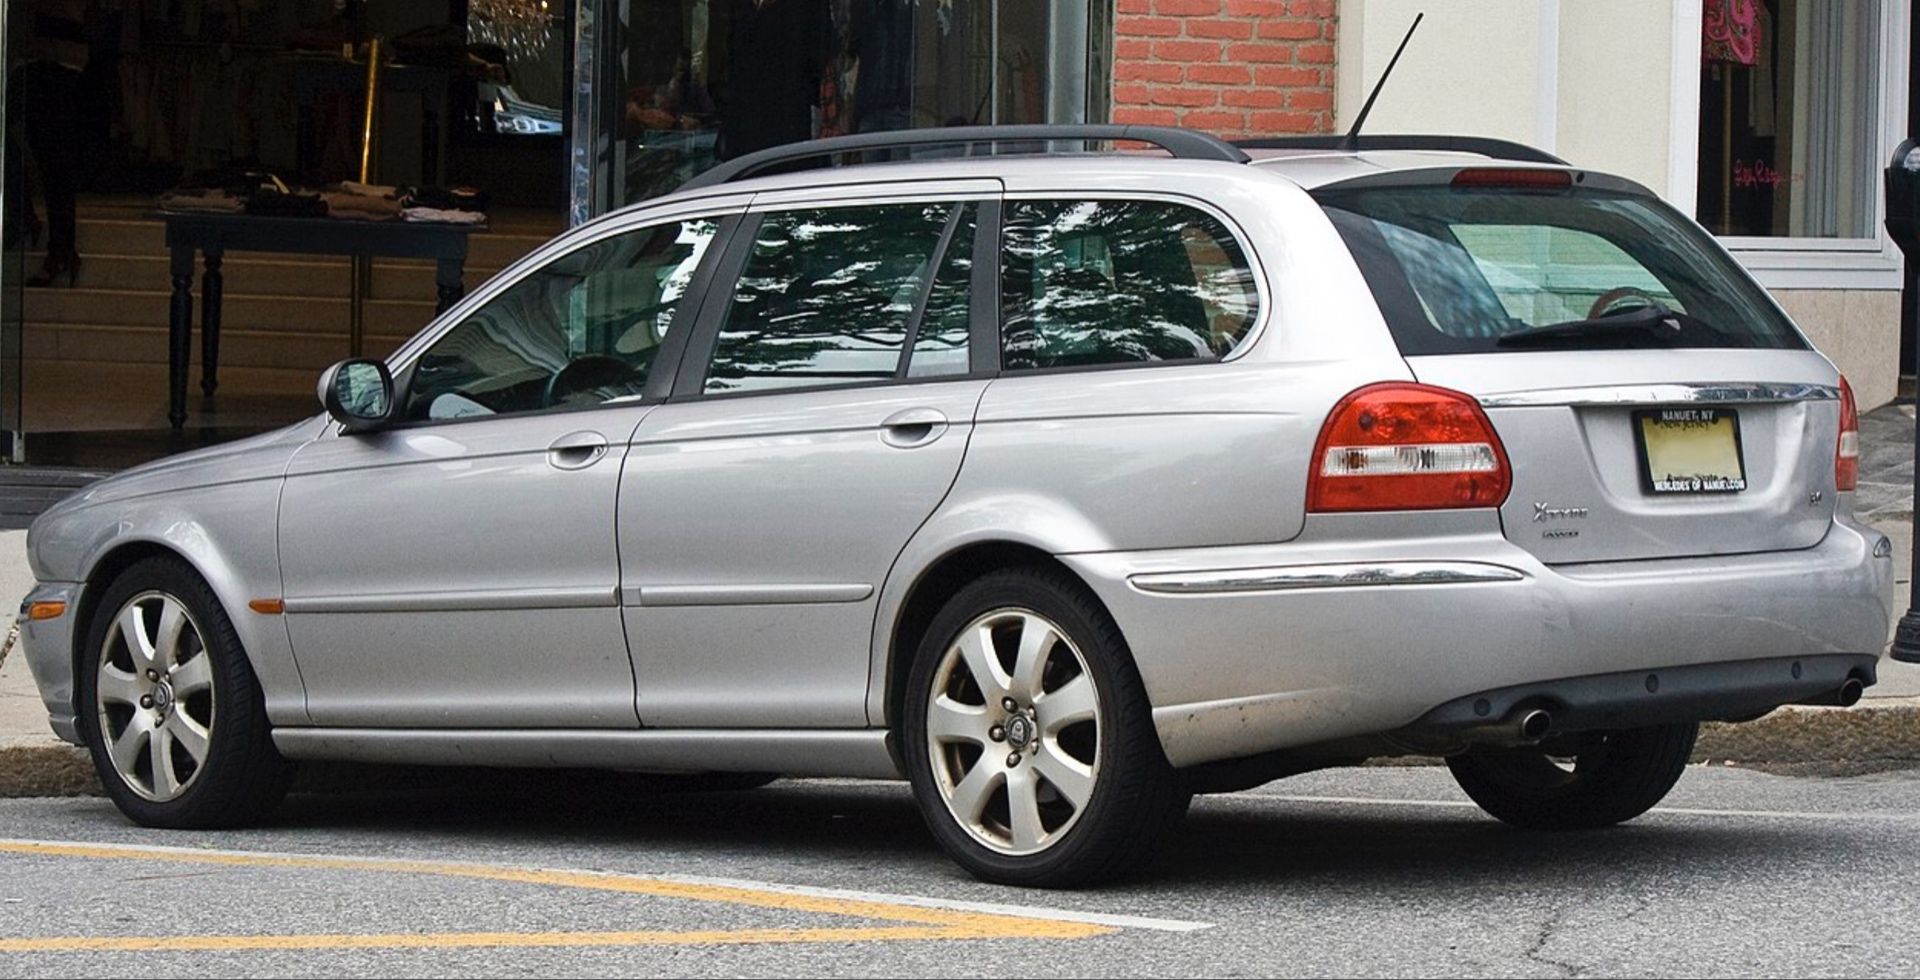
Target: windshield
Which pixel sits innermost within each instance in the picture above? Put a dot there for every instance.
(1457, 269)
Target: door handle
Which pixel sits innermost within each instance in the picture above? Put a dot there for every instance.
(576, 450)
(912, 427)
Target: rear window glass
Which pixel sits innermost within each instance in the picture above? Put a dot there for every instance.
(1472, 270)
(1120, 282)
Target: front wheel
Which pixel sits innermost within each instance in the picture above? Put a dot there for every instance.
(169, 707)
(1029, 740)
(1577, 782)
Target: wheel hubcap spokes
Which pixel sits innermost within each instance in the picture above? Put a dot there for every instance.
(1013, 731)
(155, 696)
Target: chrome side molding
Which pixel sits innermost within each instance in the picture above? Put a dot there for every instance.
(1341, 575)
(763, 594)
(583, 597)
(1664, 394)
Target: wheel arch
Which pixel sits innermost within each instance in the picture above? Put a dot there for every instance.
(928, 591)
(263, 639)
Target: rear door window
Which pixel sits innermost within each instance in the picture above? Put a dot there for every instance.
(1481, 269)
(839, 296)
(1119, 282)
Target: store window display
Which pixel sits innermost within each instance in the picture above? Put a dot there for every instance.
(708, 80)
(1789, 118)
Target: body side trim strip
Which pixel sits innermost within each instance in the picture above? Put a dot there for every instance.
(1329, 576)
(572, 597)
(762, 594)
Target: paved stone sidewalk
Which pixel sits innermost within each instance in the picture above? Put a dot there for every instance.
(1885, 500)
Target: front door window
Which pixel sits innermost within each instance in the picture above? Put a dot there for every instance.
(584, 330)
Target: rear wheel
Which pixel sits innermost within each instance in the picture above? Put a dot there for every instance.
(1577, 782)
(169, 706)
(1029, 740)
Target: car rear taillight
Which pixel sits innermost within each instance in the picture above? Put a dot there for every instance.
(1514, 178)
(1846, 455)
(1406, 446)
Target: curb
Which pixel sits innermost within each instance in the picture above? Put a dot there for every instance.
(1866, 737)
(46, 770)
(1875, 735)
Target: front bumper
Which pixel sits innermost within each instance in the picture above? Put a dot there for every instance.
(1246, 650)
(48, 646)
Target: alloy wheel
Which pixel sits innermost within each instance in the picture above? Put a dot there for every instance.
(155, 697)
(1014, 731)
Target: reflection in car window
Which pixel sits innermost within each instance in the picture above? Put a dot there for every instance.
(1114, 282)
(1548, 274)
(1458, 269)
(827, 297)
(582, 330)
(940, 346)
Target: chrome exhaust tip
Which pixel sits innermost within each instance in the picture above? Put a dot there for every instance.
(1536, 723)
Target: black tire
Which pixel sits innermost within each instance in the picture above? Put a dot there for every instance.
(1615, 777)
(243, 777)
(1136, 798)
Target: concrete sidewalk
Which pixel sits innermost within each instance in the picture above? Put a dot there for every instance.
(1882, 732)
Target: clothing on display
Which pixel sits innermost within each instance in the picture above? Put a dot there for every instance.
(444, 216)
(235, 191)
(779, 49)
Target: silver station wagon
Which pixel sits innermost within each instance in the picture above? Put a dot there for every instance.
(1065, 485)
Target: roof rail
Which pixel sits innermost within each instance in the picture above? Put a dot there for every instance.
(1184, 144)
(1485, 146)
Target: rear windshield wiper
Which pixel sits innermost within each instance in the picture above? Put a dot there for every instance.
(1657, 321)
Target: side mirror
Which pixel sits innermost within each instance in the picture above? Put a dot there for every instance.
(358, 394)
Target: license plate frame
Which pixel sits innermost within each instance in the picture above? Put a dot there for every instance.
(1688, 430)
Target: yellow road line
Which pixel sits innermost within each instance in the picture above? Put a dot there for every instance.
(468, 940)
(920, 923)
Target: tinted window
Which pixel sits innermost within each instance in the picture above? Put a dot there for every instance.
(940, 345)
(1114, 282)
(583, 330)
(1456, 270)
(828, 296)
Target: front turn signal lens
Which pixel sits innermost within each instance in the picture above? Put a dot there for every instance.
(46, 610)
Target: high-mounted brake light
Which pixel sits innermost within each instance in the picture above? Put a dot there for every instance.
(1846, 455)
(1519, 177)
(1405, 446)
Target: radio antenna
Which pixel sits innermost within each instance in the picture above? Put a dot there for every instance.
(1352, 140)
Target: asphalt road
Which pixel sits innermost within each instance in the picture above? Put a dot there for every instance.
(1353, 873)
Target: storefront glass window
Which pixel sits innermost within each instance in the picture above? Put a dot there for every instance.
(701, 81)
(1789, 118)
(523, 45)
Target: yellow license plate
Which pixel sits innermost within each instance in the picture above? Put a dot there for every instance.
(1690, 450)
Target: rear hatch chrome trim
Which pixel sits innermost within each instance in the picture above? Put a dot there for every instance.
(1663, 394)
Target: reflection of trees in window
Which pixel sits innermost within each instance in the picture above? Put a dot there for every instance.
(940, 346)
(1105, 282)
(827, 296)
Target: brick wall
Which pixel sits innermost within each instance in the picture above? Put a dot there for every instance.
(1230, 67)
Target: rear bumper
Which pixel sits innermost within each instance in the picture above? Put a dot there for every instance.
(1726, 691)
(1252, 649)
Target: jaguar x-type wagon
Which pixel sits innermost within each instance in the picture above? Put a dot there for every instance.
(1065, 485)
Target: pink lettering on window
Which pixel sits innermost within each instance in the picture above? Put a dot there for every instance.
(1760, 173)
